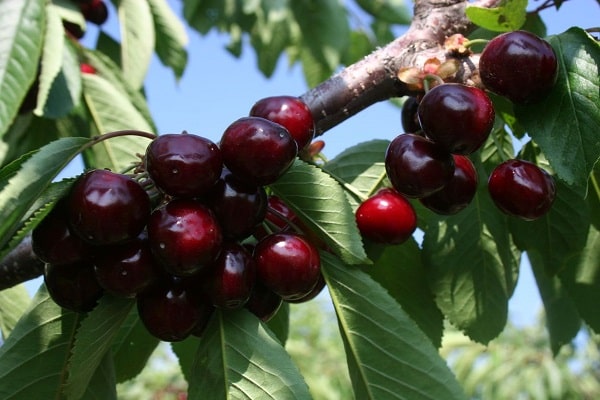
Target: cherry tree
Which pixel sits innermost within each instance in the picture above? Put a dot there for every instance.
(391, 293)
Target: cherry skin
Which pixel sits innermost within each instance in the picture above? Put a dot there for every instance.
(53, 242)
(278, 217)
(107, 208)
(183, 165)
(127, 269)
(312, 294)
(231, 277)
(288, 264)
(263, 302)
(457, 117)
(290, 112)
(416, 166)
(184, 236)
(386, 217)
(522, 189)
(409, 117)
(73, 286)
(171, 309)
(238, 206)
(257, 150)
(95, 11)
(519, 66)
(458, 193)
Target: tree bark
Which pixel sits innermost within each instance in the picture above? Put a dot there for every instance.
(358, 86)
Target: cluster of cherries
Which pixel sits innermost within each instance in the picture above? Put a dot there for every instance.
(430, 162)
(193, 228)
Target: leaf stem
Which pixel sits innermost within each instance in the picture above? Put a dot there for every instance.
(354, 191)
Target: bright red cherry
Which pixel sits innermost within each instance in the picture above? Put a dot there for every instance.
(458, 193)
(519, 66)
(184, 236)
(231, 278)
(73, 286)
(522, 189)
(386, 217)
(457, 117)
(288, 264)
(87, 69)
(416, 166)
(107, 208)
(290, 112)
(257, 150)
(183, 165)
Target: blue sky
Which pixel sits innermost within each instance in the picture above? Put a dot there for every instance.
(217, 89)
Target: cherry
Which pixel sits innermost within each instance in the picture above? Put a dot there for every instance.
(257, 150)
(184, 236)
(290, 112)
(127, 269)
(416, 166)
(183, 165)
(239, 207)
(457, 117)
(171, 309)
(94, 11)
(73, 29)
(206, 311)
(279, 216)
(522, 189)
(232, 276)
(263, 302)
(107, 208)
(519, 66)
(458, 193)
(53, 242)
(312, 294)
(409, 117)
(386, 217)
(288, 264)
(87, 69)
(73, 286)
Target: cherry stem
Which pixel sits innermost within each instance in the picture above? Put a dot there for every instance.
(473, 42)
(285, 219)
(596, 185)
(125, 132)
(429, 79)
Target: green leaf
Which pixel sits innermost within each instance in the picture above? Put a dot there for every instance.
(239, 358)
(93, 341)
(279, 323)
(392, 11)
(103, 385)
(24, 180)
(565, 123)
(132, 347)
(473, 267)
(112, 111)
(320, 203)
(33, 359)
(508, 17)
(22, 25)
(185, 351)
(400, 271)
(13, 302)
(171, 37)
(137, 40)
(388, 355)
(562, 318)
(557, 235)
(580, 276)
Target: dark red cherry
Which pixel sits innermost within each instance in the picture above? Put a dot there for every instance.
(73, 29)
(127, 269)
(522, 189)
(290, 112)
(73, 286)
(239, 207)
(458, 193)
(184, 236)
(170, 310)
(231, 277)
(416, 166)
(457, 117)
(519, 66)
(257, 150)
(206, 312)
(409, 117)
(263, 302)
(312, 294)
(183, 165)
(107, 208)
(288, 264)
(95, 11)
(386, 217)
(53, 242)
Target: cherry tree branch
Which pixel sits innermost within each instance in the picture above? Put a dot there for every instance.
(371, 80)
